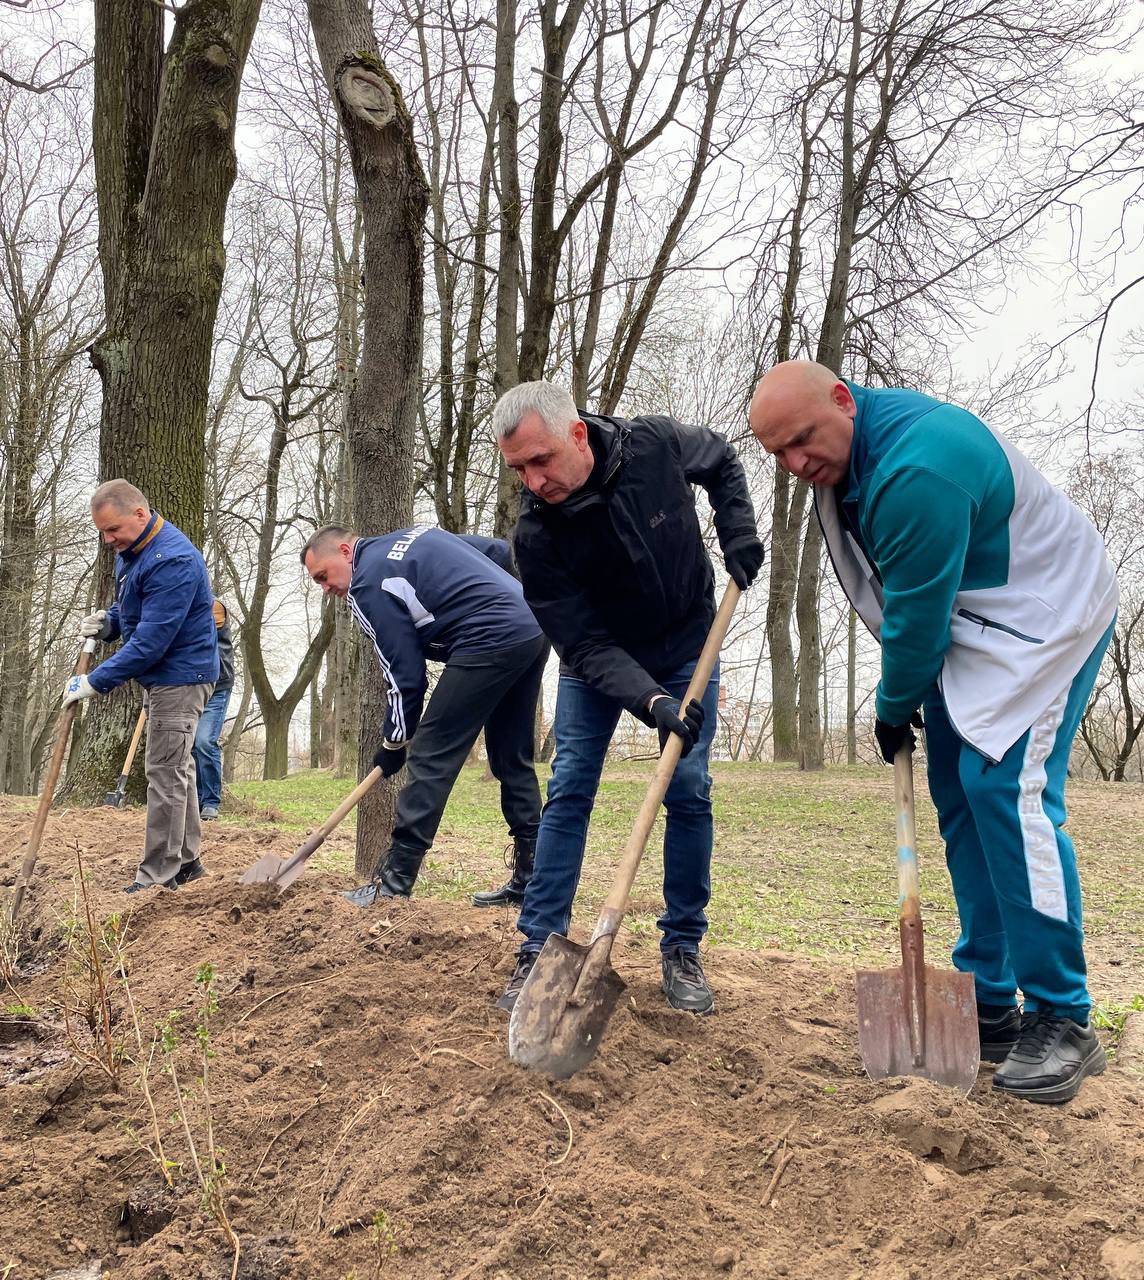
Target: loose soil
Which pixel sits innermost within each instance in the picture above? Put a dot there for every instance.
(359, 1070)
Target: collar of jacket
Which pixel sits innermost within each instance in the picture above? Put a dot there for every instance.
(607, 438)
(860, 445)
(150, 530)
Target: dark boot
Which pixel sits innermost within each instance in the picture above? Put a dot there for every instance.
(511, 893)
(684, 982)
(999, 1027)
(393, 877)
(524, 962)
(1052, 1056)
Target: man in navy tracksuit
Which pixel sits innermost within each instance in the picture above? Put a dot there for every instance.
(162, 613)
(423, 593)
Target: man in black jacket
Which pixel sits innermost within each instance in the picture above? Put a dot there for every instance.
(613, 565)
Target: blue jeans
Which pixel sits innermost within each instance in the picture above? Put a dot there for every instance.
(208, 757)
(585, 722)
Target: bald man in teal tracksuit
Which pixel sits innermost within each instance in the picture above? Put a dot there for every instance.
(994, 601)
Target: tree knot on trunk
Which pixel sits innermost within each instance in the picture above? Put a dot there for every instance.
(366, 95)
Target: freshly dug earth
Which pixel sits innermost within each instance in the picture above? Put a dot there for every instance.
(359, 1070)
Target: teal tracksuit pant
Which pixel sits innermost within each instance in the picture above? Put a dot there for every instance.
(1012, 865)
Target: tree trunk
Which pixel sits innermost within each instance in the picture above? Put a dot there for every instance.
(164, 164)
(852, 688)
(382, 404)
(809, 649)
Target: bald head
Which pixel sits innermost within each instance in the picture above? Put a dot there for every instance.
(803, 414)
(120, 512)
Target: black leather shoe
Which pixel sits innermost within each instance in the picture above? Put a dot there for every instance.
(136, 887)
(393, 877)
(684, 982)
(192, 871)
(1052, 1056)
(524, 962)
(511, 893)
(999, 1028)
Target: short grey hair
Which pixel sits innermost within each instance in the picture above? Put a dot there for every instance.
(322, 539)
(552, 404)
(120, 494)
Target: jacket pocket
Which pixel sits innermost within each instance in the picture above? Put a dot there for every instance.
(983, 621)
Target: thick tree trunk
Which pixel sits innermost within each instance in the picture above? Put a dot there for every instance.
(383, 402)
(165, 164)
(809, 649)
(786, 529)
(852, 688)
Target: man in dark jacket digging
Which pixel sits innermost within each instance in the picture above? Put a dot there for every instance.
(162, 613)
(423, 593)
(614, 567)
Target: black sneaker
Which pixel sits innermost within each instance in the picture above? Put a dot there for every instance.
(1051, 1058)
(684, 982)
(524, 962)
(999, 1027)
(192, 871)
(136, 887)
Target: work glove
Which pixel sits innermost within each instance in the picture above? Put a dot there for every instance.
(389, 759)
(665, 713)
(892, 737)
(96, 624)
(76, 689)
(743, 558)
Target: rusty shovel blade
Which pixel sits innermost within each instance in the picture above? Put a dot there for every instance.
(563, 1007)
(950, 1053)
(271, 869)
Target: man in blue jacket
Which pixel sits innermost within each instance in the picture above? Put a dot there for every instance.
(162, 613)
(994, 601)
(423, 593)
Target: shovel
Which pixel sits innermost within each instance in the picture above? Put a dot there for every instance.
(916, 1020)
(568, 997)
(63, 733)
(271, 869)
(116, 798)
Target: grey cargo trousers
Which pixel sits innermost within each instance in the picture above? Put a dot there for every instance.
(173, 830)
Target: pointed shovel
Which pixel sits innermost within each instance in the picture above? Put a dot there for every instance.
(271, 869)
(915, 1020)
(569, 995)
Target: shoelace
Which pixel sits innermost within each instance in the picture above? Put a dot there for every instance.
(689, 965)
(1038, 1033)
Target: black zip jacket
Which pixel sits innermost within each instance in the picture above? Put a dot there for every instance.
(617, 574)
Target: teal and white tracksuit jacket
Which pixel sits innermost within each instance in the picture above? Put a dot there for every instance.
(994, 600)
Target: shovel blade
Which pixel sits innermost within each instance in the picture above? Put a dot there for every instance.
(951, 1054)
(114, 799)
(266, 869)
(553, 1028)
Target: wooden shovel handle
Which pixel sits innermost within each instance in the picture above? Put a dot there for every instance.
(316, 839)
(63, 733)
(131, 750)
(613, 909)
(910, 932)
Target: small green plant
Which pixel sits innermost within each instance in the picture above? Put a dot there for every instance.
(19, 1011)
(94, 970)
(384, 1235)
(1113, 1015)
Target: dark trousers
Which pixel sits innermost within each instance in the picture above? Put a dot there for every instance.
(497, 691)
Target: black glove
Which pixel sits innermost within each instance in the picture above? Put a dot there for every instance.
(389, 759)
(743, 558)
(892, 737)
(665, 713)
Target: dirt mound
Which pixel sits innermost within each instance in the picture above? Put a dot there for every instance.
(372, 1126)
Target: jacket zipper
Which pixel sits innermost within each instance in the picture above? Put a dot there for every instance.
(997, 626)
